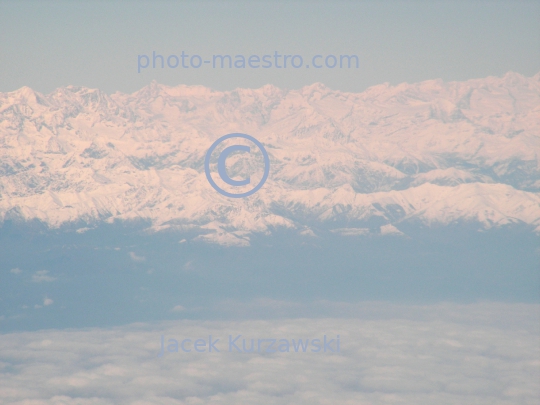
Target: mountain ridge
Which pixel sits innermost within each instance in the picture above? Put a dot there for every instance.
(432, 151)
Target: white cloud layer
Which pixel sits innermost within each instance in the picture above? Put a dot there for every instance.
(440, 354)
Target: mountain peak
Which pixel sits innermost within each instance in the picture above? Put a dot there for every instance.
(320, 87)
(25, 94)
(514, 79)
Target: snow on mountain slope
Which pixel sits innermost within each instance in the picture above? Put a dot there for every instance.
(433, 152)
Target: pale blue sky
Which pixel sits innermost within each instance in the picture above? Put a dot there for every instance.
(48, 44)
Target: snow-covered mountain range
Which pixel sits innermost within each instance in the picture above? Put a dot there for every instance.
(431, 152)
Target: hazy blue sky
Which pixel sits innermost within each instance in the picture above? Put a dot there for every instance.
(48, 44)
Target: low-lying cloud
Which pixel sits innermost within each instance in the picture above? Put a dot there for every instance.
(439, 354)
(42, 276)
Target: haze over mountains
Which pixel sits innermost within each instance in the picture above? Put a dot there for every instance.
(433, 153)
